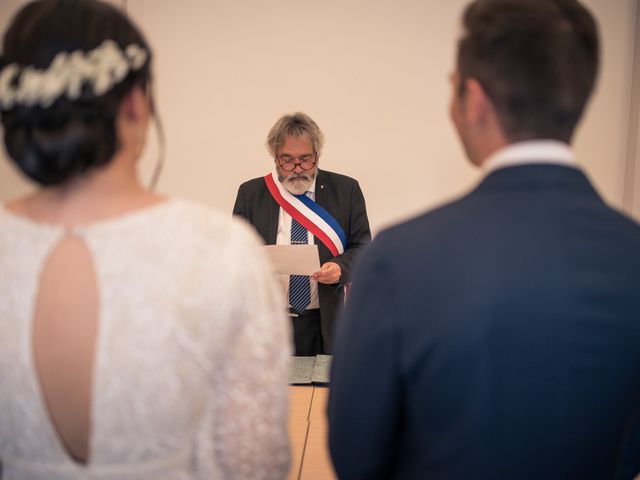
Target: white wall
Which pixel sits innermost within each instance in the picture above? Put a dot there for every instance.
(632, 186)
(603, 138)
(372, 73)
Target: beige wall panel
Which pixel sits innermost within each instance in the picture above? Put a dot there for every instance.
(632, 192)
(372, 73)
(601, 141)
(368, 72)
(374, 76)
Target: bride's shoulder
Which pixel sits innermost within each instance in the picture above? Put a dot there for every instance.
(215, 225)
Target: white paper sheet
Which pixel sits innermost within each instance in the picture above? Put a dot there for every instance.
(294, 259)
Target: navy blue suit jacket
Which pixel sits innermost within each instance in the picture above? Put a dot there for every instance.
(497, 337)
(342, 198)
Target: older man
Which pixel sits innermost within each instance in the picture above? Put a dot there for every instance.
(498, 337)
(303, 204)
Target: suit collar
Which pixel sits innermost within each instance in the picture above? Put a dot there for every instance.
(542, 176)
(273, 215)
(321, 188)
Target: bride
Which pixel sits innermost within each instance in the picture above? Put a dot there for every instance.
(140, 335)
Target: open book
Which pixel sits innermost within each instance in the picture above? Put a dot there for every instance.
(308, 370)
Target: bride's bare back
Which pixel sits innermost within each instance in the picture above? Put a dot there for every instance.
(65, 326)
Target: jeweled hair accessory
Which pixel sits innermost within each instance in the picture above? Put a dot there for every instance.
(103, 68)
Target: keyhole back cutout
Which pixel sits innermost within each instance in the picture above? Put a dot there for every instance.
(65, 328)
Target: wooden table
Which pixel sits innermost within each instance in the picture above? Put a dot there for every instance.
(308, 434)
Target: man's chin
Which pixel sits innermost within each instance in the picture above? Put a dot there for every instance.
(298, 185)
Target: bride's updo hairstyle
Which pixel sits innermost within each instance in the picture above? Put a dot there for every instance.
(66, 66)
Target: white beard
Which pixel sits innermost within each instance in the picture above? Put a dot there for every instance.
(298, 184)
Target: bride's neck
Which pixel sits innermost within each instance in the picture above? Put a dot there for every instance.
(100, 194)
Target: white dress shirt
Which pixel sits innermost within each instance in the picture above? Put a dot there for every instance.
(284, 238)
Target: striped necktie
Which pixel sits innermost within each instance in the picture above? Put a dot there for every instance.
(299, 285)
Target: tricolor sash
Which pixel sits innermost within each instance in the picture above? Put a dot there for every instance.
(310, 215)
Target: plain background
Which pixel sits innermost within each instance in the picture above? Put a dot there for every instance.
(374, 76)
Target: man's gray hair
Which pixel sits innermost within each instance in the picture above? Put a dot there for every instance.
(297, 124)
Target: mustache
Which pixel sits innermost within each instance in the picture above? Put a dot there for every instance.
(299, 176)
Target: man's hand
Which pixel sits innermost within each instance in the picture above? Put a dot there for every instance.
(329, 273)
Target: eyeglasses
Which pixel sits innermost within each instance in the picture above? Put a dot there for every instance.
(289, 163)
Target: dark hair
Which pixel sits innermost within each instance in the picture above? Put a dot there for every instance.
(537, 61)
(54, 144)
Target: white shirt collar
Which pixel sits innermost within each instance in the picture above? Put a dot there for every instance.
(531, 152)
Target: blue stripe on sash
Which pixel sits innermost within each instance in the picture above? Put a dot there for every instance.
(326, 216)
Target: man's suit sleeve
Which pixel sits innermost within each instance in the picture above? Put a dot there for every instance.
(629, 467)
(358, 236)
(365, 394)
(239, 207)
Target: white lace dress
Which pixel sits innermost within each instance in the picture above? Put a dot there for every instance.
(190, 377)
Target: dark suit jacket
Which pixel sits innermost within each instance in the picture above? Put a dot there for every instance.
(497, 337)
(341, 197)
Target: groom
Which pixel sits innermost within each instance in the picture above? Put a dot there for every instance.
(504, 327)
(303, 204)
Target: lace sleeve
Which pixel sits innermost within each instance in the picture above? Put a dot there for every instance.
(251, 437)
